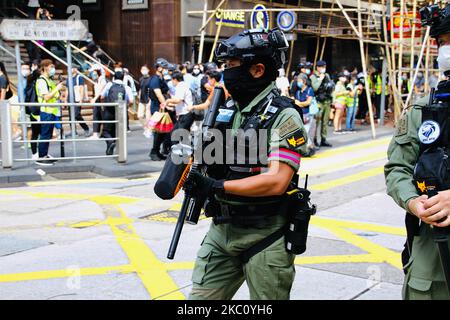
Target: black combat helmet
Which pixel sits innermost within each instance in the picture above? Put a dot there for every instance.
(255, 43)
(161, 62)
(438, 19)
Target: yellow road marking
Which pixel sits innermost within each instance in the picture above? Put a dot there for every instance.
(362, 226)
(356, 258)
(53, 274)
(153, 272)
(348, 179)
(344, 164)
(354, 147)
(387, 255)
(87, 181)
(103, 199)
(149, 268)
(74, 182)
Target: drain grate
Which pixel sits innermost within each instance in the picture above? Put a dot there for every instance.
(169, 216)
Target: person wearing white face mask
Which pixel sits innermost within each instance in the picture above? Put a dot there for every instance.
(282, 83)
(47, 91)
(25, 71)
(417, 152)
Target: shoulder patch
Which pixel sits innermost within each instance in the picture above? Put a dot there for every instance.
(429, 132)
(297, 139)
(288, 127)
(402, 126)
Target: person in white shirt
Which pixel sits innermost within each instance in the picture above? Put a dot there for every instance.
(113, 92)
(129, 81)
(282, 83)
(100, 85)
(181, 102)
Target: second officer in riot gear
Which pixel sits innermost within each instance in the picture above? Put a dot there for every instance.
(248, 201)
(418, 176)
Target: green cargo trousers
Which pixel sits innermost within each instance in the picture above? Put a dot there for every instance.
(322, 119)
(425, 279)
(218, 273)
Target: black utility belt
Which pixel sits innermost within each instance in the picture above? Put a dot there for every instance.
(249, 215)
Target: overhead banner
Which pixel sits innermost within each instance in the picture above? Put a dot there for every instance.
(407, 25)
(45, 30)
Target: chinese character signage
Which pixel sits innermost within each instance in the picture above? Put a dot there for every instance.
(46, 30)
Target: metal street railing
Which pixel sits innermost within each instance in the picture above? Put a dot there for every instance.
(7, 143)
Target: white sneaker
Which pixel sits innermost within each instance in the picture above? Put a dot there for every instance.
(93, 137)
(35, 156)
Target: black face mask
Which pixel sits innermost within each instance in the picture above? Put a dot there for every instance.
(242, 86)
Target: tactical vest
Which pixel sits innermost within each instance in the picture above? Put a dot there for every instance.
(432, 170)
(239, 164)
(51, 86)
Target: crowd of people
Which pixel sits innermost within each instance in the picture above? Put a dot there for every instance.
(184, 91)
(41, 84)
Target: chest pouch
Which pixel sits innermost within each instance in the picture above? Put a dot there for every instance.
(432, 171)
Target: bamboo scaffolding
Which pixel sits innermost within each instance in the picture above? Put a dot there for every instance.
(325, 40)
(364, 66)
(400, 45)
(366, 25)
(413, 35)
(318, 38)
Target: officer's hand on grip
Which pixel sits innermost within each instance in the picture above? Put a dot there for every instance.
(198, 185)
(417, 208)
(434, 211)
(438, 209)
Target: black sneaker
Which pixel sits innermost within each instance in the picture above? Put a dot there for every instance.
(45, 162)
(162, 156)
(310, 153)
(154, 156)
(316, 144)
(110, 149)
(324, 143)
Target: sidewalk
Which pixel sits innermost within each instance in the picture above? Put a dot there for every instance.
(139, 164)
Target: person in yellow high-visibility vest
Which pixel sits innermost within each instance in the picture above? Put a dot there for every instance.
(47, 91)
(378, 93)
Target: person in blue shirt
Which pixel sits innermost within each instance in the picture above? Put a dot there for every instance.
(303, 98)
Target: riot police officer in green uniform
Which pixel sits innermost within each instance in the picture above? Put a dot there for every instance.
(248, 200)
(418, 178)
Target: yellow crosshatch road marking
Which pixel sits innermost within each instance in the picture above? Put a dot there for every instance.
(154, 273)
(355, 147)
(346, 164)
(348, 179)
(89, 181)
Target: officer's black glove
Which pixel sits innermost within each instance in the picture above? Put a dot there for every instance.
(197, 185)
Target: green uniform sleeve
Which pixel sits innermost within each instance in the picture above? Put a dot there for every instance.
(288, 139)
(315, 82)
(403, 153)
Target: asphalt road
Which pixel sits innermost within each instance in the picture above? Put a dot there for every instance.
(90, 237)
